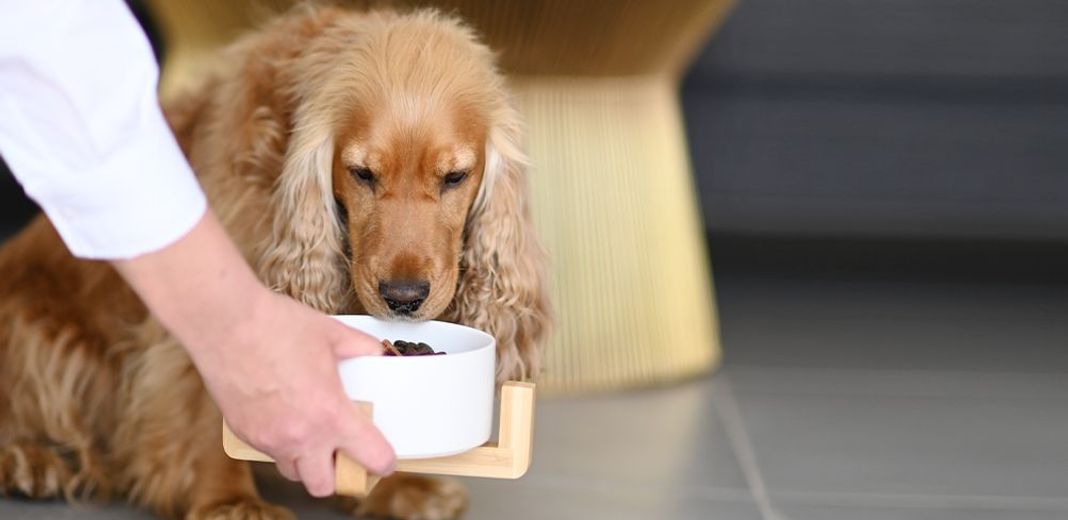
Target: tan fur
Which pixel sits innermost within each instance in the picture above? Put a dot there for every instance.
(96, 399)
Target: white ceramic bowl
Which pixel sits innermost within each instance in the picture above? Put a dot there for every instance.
(426, 406)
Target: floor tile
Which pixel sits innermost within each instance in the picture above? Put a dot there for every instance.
(667, 437)
(1007, 386)
(818, 512)
(498, 500)
(875, 324)
(928, 445)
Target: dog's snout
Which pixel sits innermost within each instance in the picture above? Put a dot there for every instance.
(404, 296)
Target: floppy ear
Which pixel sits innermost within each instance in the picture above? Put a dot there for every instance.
(502, 267)
(263, 129)
(303, 257)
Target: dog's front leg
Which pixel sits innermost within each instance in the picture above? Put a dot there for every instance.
(224, 490)
(405, 496)
(170, 443)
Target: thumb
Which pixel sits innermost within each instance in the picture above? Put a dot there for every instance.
(349, 342)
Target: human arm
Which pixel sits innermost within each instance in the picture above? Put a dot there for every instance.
(81, 128)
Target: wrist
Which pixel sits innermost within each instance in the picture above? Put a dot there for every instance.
(200, 288)
(225, 318)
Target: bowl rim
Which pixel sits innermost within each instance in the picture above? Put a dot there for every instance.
(491, 342)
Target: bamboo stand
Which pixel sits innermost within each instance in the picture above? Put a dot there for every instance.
(508, 458)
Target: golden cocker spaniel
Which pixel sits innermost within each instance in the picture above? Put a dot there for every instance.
(364, 162)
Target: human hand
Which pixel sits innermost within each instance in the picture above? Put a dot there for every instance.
(289, 403)
(269, 362)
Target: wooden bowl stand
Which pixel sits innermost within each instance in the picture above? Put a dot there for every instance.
(508, 458)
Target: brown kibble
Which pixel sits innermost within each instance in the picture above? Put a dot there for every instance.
(408, 348)
(390, 349)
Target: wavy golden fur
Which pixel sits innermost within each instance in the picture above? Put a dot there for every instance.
(342, 151)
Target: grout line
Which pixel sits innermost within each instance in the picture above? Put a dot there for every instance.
(738, 438)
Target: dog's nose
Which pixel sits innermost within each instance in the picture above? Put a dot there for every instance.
(404, 296)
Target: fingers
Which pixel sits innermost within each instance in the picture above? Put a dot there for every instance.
(288, 469)
(349, 342)
(316, 470)
(356, 437)
(366, 445)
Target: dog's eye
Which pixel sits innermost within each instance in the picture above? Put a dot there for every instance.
(454, 179)
(364, 175)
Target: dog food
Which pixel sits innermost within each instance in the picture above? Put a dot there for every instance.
(408, 348)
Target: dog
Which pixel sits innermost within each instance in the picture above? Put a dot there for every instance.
(343, 151)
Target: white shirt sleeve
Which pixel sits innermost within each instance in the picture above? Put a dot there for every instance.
(82, 130)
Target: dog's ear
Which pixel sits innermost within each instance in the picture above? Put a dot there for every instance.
(275, 135)
(303, 257)
(502, 287)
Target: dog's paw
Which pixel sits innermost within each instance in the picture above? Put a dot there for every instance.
(414, 497)
(242, 509)
(32, 471)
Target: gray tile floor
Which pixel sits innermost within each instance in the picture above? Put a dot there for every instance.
(840, 400)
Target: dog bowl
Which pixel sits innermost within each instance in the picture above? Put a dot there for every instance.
(426, 406)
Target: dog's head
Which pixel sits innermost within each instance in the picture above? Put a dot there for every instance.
(402, 190)
(407, 169)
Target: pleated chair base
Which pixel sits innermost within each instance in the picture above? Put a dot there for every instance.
(615, 206)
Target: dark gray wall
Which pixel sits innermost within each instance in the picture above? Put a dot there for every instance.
(945, 118)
